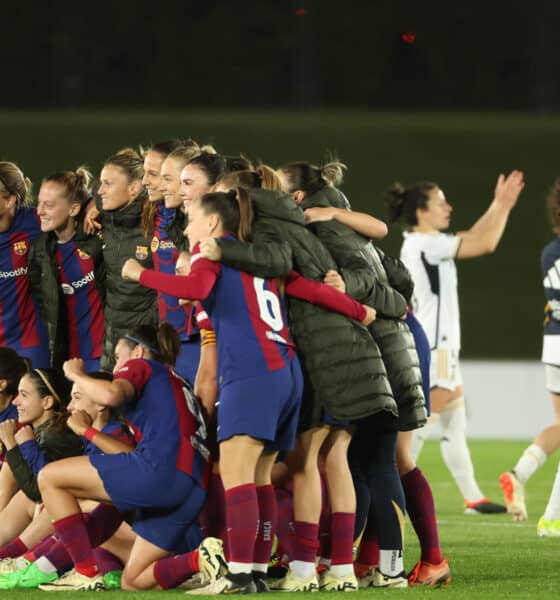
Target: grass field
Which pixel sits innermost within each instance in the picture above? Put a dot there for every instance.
(490, 557)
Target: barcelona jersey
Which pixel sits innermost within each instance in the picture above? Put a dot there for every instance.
(164, 255)
(168, 416)
(20, 324)
(83, 302)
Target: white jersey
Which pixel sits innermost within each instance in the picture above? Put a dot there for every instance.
(429, 258)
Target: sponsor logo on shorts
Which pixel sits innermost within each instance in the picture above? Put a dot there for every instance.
(20, 248)
(15, 273)
(141, 252)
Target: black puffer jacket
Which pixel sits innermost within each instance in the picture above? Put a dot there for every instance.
(391, 334)
(50, 444)
(47, 290)
(128, 304)
(343, 370)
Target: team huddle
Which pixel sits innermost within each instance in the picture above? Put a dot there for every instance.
(212, 378)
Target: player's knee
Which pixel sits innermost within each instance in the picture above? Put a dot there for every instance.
(130, 582)
(46, 478)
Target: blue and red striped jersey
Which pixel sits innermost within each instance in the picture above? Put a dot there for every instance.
(247, 312)
(20, 324)
(164, 254)
(83, 302)
(168, 416)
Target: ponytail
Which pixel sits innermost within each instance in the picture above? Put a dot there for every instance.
(305, 177)
(402, 202)
(76, 184)
(163, 343)
(234, 209)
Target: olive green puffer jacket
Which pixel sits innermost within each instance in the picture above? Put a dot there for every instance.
(128, 304)
(391, 334)
(343, 371)
(47, 290)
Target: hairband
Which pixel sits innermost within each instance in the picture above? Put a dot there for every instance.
(49, 386)
(141, 343)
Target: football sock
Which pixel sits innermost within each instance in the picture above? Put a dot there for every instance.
(41, 548)
(422, 512)
(13, 549)
(58, 556)
(419, 436)
(342, 542)
(214, 510)
(106, 561)
(391, 562)
(284, 520)
(532, 459)
(455, 451)
(552, 511)
(45, 565)
(73, 533)
(242, 516)
(268, 513)
(102, 523)
(171, 571)
(305, 543)
(368, 553)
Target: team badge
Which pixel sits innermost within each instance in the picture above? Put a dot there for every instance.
(83, 255)
(20, 248)
(141, 252)
(154, 245)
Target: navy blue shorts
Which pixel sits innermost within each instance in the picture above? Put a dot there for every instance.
(424, 354)
(167, 501)
(265, 408)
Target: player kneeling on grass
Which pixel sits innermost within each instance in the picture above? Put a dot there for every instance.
(161, 479)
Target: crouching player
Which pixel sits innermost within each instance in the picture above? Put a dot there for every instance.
(162, 479)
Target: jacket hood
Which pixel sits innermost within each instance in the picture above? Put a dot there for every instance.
(276, 205)
(327, 196)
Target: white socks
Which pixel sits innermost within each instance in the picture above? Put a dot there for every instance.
(302, 569)
(391, 562)
(552, 512)
(455, 451)
(422, 434)
(533, 458)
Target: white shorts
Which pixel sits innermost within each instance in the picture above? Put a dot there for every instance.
(552, 375)
(444, 369)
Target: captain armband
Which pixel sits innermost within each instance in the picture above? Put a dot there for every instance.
(207, 336)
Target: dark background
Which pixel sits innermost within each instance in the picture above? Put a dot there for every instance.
(475, 94)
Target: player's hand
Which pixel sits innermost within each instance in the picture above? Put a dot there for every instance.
(25, 434)
(91, 222)
(132, 270)
(73, 367)
(371, 315)
(508, 189)
(210, 249)
(79, 421)
(334, 279)
(319, 213)
(7, 433)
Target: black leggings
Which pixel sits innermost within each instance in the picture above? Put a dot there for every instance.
(372, 460)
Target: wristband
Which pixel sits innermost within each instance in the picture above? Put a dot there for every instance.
(90, 433)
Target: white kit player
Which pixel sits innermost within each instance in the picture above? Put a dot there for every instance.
(429, 255)
(547, 441)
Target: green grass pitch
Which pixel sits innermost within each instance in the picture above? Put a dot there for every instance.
(490, 556)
